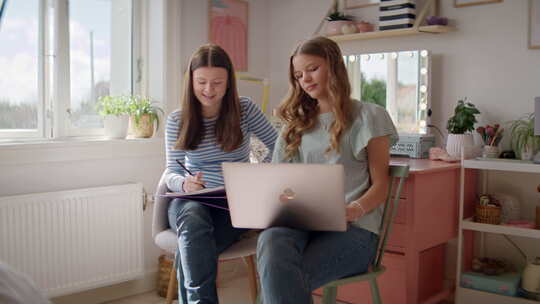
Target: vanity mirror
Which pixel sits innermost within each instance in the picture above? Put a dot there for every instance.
(398, 81)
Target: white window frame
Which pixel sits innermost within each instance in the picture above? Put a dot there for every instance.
(40, 131)
(54, 95)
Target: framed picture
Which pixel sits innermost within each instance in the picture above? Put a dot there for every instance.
(534, 24)
(228, 28)
(360, 3)
(460, 3)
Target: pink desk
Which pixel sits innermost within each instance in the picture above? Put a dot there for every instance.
(426, 220)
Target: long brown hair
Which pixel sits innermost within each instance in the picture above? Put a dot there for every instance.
(227, 128)
(300, 111)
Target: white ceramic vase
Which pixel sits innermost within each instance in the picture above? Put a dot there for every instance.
(116, 126)
(456, 142)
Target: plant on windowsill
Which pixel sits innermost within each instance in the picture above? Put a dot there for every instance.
(114, 110)
(144, 115)
(459, 126)
(524, 142)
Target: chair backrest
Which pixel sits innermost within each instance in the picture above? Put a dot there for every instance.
(398, 174)
(159, 218)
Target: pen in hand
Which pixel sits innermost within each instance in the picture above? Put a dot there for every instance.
(186, 169)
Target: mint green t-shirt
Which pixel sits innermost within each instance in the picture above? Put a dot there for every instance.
(369, 121)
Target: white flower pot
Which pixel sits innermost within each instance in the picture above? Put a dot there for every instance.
(455, 142)
(116, 126)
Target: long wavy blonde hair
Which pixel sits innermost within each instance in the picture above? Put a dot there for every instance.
(300, 111)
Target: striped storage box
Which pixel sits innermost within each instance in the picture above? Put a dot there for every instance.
(396, 14)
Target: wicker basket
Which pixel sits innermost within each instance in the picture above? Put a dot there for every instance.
(487, 214)
(165, 266)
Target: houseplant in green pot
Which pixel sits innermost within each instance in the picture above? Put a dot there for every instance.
(144, 116)
(114, 110)
(524, 142)
(459, 127)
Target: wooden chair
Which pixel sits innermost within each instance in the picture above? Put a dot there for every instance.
(398, 175)
(165, 238)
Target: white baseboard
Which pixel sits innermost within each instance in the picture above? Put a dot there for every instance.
(109, 293)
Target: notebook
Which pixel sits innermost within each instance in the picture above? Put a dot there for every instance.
(213, 197)
(303, 196)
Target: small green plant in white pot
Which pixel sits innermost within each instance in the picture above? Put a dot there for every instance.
(114, 110)
(524, 142)
(459, 127)
(144, 116)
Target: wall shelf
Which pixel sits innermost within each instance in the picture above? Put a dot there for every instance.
(428, 29)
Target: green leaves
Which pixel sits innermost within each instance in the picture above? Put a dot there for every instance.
(133, 105)
(113, 105)
(335, 16)
(523, 135)
(139, 106)
(463, 119)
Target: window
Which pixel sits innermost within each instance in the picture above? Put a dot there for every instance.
(72, 52)
(20, 97)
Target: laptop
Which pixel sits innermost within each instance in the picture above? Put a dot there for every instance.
(302, 196)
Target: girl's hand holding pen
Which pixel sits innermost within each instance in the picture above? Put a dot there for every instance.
(193, 182)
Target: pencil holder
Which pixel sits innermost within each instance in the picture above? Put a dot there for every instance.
(487, 214)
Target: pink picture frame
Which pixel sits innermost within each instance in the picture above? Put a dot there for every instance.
(228, 27)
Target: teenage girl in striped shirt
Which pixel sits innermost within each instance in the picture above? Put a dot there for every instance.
(213, 126)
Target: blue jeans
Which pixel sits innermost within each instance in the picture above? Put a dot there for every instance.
(292, 263)
(203, 233)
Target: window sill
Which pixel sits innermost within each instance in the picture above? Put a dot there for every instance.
(78, 149)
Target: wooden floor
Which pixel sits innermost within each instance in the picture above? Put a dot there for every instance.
(233, 289)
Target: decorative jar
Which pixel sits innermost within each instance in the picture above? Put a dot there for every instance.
(490, 151)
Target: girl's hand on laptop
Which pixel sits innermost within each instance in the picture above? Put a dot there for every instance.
(353, 211)
(193, 183)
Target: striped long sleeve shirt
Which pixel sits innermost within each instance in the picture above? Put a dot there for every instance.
(208, 156)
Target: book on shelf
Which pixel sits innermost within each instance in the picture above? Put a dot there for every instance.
(213, 197)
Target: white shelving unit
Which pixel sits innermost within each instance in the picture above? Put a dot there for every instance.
(467, 295)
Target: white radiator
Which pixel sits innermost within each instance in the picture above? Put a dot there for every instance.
(70, 241)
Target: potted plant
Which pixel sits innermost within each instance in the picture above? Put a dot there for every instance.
(339, 23)
(524, 142)
(114, 110)
(458, 127)
(144, 115)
